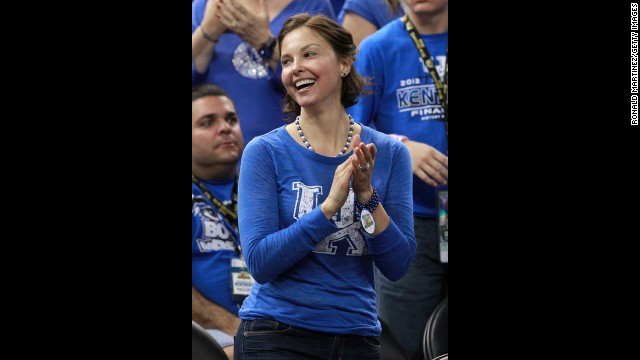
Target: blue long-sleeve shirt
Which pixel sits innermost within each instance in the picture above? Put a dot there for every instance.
(311, 272)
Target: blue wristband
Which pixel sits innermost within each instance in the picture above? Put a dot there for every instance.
(371, 205)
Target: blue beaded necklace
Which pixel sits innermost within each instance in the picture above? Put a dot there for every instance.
(344, 149)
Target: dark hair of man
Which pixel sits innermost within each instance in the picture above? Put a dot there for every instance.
(207, 90)
(341, 41)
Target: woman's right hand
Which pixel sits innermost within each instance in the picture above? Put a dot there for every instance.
(362, 161)
(339, 189)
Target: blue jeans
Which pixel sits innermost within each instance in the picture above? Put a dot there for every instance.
(273, 340)
(407, 303)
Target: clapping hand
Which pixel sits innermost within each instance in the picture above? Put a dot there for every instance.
(253, 29)
(339, 189)
(362, 162)
(211, 21)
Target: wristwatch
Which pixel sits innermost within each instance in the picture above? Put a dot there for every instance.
(266, 50)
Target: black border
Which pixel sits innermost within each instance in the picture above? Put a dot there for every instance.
(545, 179)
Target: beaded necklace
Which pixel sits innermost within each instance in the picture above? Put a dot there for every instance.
(304, 139)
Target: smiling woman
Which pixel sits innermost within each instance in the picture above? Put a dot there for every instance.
(312, 257)
(318, 44)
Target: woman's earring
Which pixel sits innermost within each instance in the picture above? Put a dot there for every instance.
(344, 73)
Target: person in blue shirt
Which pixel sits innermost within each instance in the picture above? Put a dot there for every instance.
(406, 104)
(233, 46)
(216, 148)
(321, 201)
(364, 17)
(337, 5)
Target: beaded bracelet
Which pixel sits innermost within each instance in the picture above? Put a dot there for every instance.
(366, 210)
(372, 204)
(207, 36)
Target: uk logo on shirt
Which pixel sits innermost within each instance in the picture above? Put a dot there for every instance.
(348, 238)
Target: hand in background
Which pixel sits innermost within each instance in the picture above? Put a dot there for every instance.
(211, 23)
(428, 164)
(253, 29)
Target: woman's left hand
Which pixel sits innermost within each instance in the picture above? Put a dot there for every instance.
(362, 161)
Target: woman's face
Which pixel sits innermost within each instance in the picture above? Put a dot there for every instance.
(310, 69)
